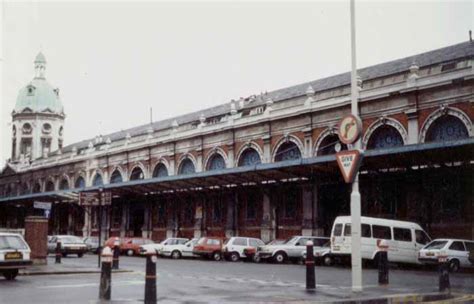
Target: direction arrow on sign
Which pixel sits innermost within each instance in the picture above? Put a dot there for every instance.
(349, 163)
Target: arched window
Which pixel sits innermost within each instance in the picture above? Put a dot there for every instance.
(446, 128)
(24, 188)
(49, 186)
(249, 157)
(80, 182)
(116, 177)
(37, 188)
(328, 144)
(160, 170)
(137, 173)
(287, 151)
(216, 162)
(64, 184)
(8, 191)
(97, 181)
(385, 137)
(186, 167)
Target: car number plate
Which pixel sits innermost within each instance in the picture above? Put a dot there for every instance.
(13, 256)
(429, 254)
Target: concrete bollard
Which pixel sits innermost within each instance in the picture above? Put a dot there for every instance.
(383, 262)
(150, 278)
(115, 264)
(105, 289)
(443, 271)
(58, 253)
(310, 272)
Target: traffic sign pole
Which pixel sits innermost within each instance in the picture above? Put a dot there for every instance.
(356, 260)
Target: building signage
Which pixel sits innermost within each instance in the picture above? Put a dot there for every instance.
(92, 198)
(42, 205)
(349, 129)
(349, 163)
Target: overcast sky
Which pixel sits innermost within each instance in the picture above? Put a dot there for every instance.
(113, 61)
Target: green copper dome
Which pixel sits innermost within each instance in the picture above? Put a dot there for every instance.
(39, 95)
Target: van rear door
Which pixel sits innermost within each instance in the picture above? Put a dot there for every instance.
(336, 237)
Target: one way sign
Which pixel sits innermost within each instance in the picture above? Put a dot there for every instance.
(349, 163)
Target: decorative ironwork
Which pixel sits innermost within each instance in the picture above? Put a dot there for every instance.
(384, 137)
(160, 170)
(186, 167)
(116, 177)
(249, 157)
(216, 162)
(328, 144)
(288, 151)
(49, 186)
(63, 185)
(80, 182)
(446, 128)
(137, 173)
(98, 181)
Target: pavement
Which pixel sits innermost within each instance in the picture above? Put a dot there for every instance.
(201, 281)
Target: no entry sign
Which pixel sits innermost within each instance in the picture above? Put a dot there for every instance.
(349, 163)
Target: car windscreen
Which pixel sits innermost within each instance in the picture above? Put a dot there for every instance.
(290, 240)
(436, 245)
(70, 240)
(12, 242)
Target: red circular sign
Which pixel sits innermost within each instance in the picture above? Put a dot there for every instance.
(350, 129)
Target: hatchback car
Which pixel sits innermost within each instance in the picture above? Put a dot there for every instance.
(457, 252)
(237, 248)
(70, 244)
(209, 247)
(92, 243)
(178, 249)
(129, 246)
(156, 247)
(14, 254)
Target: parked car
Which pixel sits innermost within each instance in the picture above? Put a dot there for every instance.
(70, 244)
(178, 248)
(404, 239)
(92, 243)
(130, 245)
(457, 252)
(209, 247)
(237, 248)
(156, 247)
(14, 254)
(292, 248)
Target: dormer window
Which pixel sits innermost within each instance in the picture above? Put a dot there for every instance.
(256, 111)
(46, 128)
(27, 129)
(31, 90)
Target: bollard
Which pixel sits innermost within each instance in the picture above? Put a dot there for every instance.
(105, 289)
(150, 278)
(383, 262)
(58, 253)
(115, 264)
(443, 271)
(310, 273)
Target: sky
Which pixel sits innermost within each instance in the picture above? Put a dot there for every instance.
(112, 61)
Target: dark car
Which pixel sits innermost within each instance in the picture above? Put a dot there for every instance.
(209, 247)
(92, 243)
(70, 244)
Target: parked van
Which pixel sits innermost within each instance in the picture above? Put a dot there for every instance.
(404, 239)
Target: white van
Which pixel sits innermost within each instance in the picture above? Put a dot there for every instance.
(404, 239)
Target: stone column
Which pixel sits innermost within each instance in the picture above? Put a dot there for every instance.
(36, 235)
(198, 219)
(413, 129)
(308, 207)
(172, 220)
(86, 229)
(146, 228)
(268, 221)
(199, 160)
(230, 156)
(124, 224)
(317, 229)
(308, 142)
(230, 224)
(267, 149)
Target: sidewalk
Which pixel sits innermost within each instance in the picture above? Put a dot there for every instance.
(67, 266)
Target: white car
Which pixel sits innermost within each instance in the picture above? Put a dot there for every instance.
(156, 247)
(14, 254)
(457, 252)
(236, 248)
(321, 255)
(291, 249)
(181, 248)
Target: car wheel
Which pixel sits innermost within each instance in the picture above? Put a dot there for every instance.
(216, 256)
(64, 254)
(130, 252)
(256, 258)
(234, 257)
(279, 257)
(80, 255)
(10, 275)
(327, 261)
(176, 255)
(454, 265)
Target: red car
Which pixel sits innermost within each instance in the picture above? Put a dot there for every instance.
(129, 246)
(209, 247)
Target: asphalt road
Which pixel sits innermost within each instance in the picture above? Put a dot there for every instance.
(198, 281)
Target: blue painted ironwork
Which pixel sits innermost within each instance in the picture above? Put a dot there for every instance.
(116, 177)
(328, 144)
(80, 182)
(446, 128)
(186, 167)
(49, 186)
(160, 170)
(63, 185)
(137, 173)
(98, 181)
(385, 137)
(216, 162)
(288, 151)
(249, 157)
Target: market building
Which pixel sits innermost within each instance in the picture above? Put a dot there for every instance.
(259, 166)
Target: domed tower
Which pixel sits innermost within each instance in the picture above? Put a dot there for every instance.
(38, 117)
